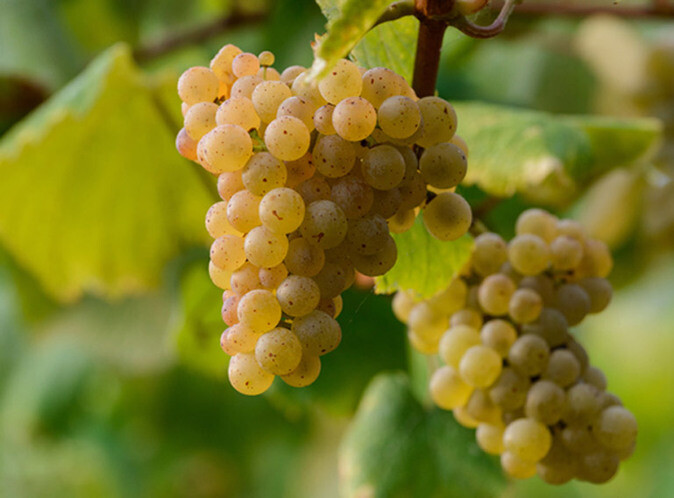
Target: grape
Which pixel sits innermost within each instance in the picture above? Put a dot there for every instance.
(527, 439)
(413, 191)
(571, 228)
(307, 90)
(595, 377)
(221, 64)
(427, 322)
(262, 173)
(399, 117)
(354, 119)
(516, 467)
(494, 294)
(323, 119)
(266, 58)
(265, 248)
(498, 335)
(411, 165)
(318, 332)
(580, 354)
(402, 304)
(271, 278)
(615, 428)
(509, 391)
(450, 299)
(186, 146)
(242, 211)
(466, 317)
(353, 195)
(332, 280)
(447, 216)
(386, 203)
(537, 222)
(550, 326)
(599, 291)
(200, 119)
(227, 148)
(299, 108)
(542, 285)
(229, 305)
(259, 310)
(229, 184)
(343, 81)
(582, 404)
(306, 372)
(367, 235)
(227, 252)
(573, 302)
(490, 438)
(303, 258)
(529, 354)
(463, 418)
(314, 189)
(246, 376)
(565, 253)
(597, 260)
(545, 402)
(220, 277)
(402, 221)
(244, 87)
(378, 263)
(443, 165)
(558, 466)
(448, 390)
(300, 170)
(217, 223)
(598, 467)
(578, 439)
(324, 224)
(455, 342)
(439, 120)
(425, 345)
(383, 167)
(225, 345)
(238, 111)
(332, 307)
(480, 366)
(529, 254)
(198, 84)
(460, 143)
(290, 73)
(287, 138)
(281, 210)
(525, 306)
(240, 339)
(334, 156)
(267, 98)
(278, 351)
(563, 368)
(379, 84)
(480, 407)
(489, 254)
(245, 64)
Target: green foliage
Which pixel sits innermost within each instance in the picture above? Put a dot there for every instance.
(397, 448)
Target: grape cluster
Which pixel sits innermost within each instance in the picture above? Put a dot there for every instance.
(313, 180)
(512, 370)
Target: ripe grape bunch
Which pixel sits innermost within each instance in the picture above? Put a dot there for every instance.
(313, 178)
(512, 369)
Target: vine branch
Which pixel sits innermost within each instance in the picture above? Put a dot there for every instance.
(395, 11)
(658, 8)
(476, 31)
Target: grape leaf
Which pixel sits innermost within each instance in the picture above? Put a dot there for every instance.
(397, 448)
(424, 263)
(93, 195)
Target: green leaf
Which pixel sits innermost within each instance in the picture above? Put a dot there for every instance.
(93, 195)
(397, 448)
(424, 263)
(547, 158)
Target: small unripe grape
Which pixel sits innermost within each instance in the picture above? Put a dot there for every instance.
(565, 253)
(529, 354)
(545, 402)
(498, 335)
(525, 306)
(490, 438)
(582, 404)
(529, 254)
(563, 368)
(510, 389)
(494, 294)
(450, 299)
(443, 165)
(544, 287)
(447, 216)
(489, 254)
(597, 260)
(448, 390)
(300, 170)
(426, 321)
(482, 408)
(379, 263)
(573, 302)
(537, 222)
(598, 467)
(455, 342)
(480, 366)
(516, 467)
(266, 58)
(599, 291)
(595, 377)
(463, 418)
(383, 167)
(402, 304)
(468, 317)
(550, 326)
(439, 120)
(527, 439)
(615, 428)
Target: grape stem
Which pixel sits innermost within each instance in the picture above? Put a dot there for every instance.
(469, 28)
(658, 8)
(395, 11)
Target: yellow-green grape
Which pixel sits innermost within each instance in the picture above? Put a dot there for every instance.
(227, 148)
(323, 119)
(287, 138)
(198, 84)
(468, 7)
(490, 438)
(599, 291)
(221, 278)
(379, 263)
(303, 258)
(542, 285)
(314, 189)
(480, 366)
(545, 402)
(595, 377)
(332, 279)
(571, 228)
(245, 279)
(245, 64)
(455, 342)
(563, 368)
(200, 119)
(242, 211)
(282, 210)
(402, 304)
(227, 252)
(615, 428)
(266, 58)
(259, 310)
(290, 73)
(269, 74)
(246, 375)
(529, 354)
(463, 418)
(225, 345)
(525, 306)
(482, 408)
(271, 278)
(278, 351)
(379, 84)
(565, 253)
(468, 317)
(411, 165)
(516, 467)
(489, 254)
(447, 216)
(597, 260)
(426, 321)
(509, 391)
(558, 466)
(402, 221)
(494, 294)
(334, 156)
(580, 354)
(573, 302)
(383, 167)
(422, 344)
(460, 143)
(537, 222)
(221, 64)
(386, 203)
(582, 404)
(498, 335)
(238, 111)
(439, 120)
(527, 439)
(217, 224)
(229, 183)
(324, 224)
(298, 296)
(265, 248)
(240, 339)
(598, 467)
(443, 165)
(262, 173)
(300, 170)
(299, 108)
(448, 390)
(332, 307)
(354, 119)
(186, 146)
(353, 195)
(318, 333)
(244, 87)
(578, 438)
(341, 82)
(305, 373)
(267, 97)
(529, 254)
(367, 235)
(307, 90)
(399, 117)
(451, 299)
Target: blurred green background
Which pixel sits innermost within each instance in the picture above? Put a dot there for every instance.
(112, 382)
